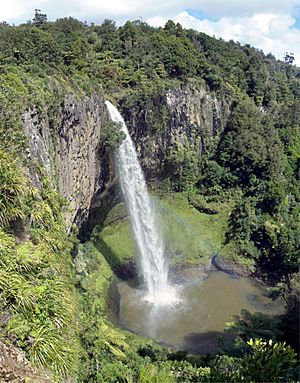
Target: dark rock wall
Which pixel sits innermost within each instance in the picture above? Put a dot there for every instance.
(81, 169)
(71, 153)
(183, 114)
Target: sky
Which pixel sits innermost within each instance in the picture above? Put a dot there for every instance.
(270, 25)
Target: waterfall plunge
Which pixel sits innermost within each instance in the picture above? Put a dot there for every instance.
(152, 260)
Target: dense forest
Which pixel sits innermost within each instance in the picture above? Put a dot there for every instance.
(53, 289)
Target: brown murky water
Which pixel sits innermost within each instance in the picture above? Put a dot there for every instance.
(200, 315)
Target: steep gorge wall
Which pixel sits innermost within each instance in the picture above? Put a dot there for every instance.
(73, 155)
(185, 114)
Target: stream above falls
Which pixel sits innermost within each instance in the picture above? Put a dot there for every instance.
(205, 305)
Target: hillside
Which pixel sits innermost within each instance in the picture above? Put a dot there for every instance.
(216, 123)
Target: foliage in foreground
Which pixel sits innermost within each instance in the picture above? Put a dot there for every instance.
(257, 157)
(38, 303)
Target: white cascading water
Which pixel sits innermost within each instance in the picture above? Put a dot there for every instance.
(152, 261)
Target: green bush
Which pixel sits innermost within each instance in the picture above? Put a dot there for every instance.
(268, 360)
(112, 135)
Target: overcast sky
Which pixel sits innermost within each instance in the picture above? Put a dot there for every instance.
(271, 25)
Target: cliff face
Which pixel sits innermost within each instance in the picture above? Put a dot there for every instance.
(71, 153)
(184, 114)
(74, 157)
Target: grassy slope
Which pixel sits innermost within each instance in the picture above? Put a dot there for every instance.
(191, 237)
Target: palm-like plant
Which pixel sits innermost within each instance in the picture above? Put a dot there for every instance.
(14, 189)
(35, 289)
(50, 349)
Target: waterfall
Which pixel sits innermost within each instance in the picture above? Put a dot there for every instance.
(153, 265)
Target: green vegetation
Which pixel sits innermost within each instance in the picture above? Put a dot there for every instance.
(245, 184)
(112, 135)
(264, 361)
(265, 221)
(187, 232)
(36, 275)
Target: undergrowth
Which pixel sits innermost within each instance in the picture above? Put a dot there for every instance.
(38, 300)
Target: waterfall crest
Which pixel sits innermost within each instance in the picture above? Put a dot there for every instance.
(153, 265)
